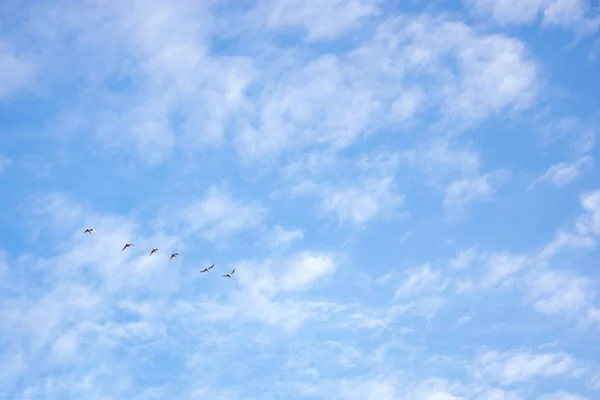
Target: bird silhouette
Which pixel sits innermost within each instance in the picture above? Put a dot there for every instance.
(229, 275)
(208, 269)
(90, 231)
(174, 255)
(127, 246)
(153, 251)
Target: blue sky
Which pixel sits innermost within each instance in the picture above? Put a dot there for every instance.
(408, 192)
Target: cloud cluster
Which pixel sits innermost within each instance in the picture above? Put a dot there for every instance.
(317, 147)
(577, 15)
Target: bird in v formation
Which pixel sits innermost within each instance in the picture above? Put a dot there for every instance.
(155, 251)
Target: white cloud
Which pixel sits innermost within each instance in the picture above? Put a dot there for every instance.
(182, 95)
(562, 395)
(367, 191)
(217, 215)
(521, 366)
(439, 156)
(594, 382)
(11, 367)
(432, 389)
(502, 267)
(483, 187)
(590, 223)
(268, 291)
(360, 204)
(177, 97)
(408, 104)
(464, 259)
(563, 241)
(569, 14)
(563, 173)
(315, 104)
(306, 269)
(265, 292)
(282, 237)
(554, 292)
(185, 83)
(322, 20)
(65, 347)
(335, 99)
(16, 71)
(547, 290)
(311, 164)
(420, 281)
(578, 135)
(374, 389)
(476, 75)
(509, 11)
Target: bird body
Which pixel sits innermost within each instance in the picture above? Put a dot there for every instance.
(174, 255)
(229, 275)
(90, 231)
(153, 251)
(208, 269)
(127, 245)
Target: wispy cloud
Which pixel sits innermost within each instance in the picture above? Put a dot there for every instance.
(420, 281)
(17, 70)
(321, 20)
(362, 203)
(283, 237)
(483, 187)
(306, 269)
(317, 148)
(590, 222)
(564, 173)
(218, 215)
(511, 367)
(577, 15)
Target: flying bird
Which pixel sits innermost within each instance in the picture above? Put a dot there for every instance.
(90, 231)
(153, 251)
(208, 269)
(127, 245)
(229, 274)
(174, 255)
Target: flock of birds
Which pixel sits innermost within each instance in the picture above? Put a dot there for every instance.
(155, 251)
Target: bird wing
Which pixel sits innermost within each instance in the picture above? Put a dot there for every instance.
(232, 271)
